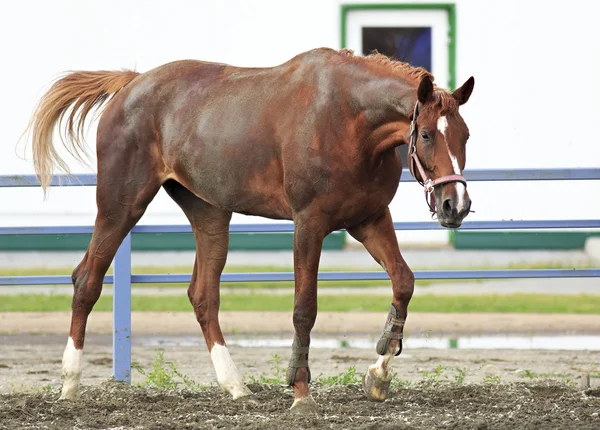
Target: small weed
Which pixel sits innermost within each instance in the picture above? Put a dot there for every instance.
(349, 377)
(163, 375)
(399, 383)
(528, 374)
(44, 389)
(435, 375)
(460, 375)
(554, 375)
(278, 375)
(570, 383)
(491, 379)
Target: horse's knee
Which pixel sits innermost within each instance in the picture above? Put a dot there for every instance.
(403, 282)
(77, 274)
(85, 291)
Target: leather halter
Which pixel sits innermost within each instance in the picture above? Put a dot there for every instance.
(428, 184)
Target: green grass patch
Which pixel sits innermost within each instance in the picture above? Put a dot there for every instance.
(519, 303)
(164, 375)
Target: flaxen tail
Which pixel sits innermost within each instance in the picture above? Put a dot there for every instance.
(67, 103)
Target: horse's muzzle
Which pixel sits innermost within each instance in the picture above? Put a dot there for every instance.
(454, 208)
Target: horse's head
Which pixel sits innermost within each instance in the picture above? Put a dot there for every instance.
(437, 150)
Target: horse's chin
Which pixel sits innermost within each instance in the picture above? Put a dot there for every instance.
(450, 223)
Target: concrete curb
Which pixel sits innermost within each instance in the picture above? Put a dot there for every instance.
(280, 323)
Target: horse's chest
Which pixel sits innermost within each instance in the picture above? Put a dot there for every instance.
(355, 196)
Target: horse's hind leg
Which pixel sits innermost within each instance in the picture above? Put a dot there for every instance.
(379, 238)
(122, 195)
(211, 231)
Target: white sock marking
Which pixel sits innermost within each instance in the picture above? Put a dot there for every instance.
(71, 370)
(227, 373)
(442, 124)
(383, 366)
(308, 400)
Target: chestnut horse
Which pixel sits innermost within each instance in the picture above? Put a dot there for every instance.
(312, 140)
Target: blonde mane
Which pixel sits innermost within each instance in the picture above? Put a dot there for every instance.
(403, 70)
(443, 99)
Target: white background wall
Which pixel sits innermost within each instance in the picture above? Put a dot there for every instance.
(535, 103)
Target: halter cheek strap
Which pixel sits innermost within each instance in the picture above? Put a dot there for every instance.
(415, 164)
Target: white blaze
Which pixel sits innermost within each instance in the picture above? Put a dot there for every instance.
(227, 373)
(442, 124)
(71, 370)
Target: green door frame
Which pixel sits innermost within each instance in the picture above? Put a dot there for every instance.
(450, 8)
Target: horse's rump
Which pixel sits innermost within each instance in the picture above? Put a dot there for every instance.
(80, 92)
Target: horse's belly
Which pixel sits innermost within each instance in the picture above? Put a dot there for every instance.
(244, 184)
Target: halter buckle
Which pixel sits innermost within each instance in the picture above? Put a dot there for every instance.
(413, 128)
(429, 186)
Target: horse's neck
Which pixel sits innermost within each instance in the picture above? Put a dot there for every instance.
(387, 105)
(384, 99)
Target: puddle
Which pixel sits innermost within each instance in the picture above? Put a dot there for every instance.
(571, 343)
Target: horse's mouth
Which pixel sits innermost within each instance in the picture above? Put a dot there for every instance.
(450, 224)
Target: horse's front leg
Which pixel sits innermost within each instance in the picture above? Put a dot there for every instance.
(379, 238)
(308, 240)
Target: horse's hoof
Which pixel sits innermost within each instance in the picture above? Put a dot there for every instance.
(250, 399)
(304, 406)
(66, 398)
(68, 395)
(376, 388)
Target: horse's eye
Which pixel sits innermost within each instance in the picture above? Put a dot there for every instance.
(425, 136)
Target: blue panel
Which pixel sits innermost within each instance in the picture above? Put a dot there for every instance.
(374, 276)
(553, 174)
(122, 313)
(71, 229)
(82, 179)
(43, 280)
(408, 44)
(531, 174)
(289, 227)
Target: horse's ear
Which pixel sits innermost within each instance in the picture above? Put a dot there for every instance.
(425, 91)
(463, 93)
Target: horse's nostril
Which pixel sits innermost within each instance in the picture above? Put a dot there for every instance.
(447, 206)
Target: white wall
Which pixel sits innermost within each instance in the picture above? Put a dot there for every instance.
(534, 104)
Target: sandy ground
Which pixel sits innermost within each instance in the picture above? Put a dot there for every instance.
(182, 323)
(31, 362)
(434, 388)
(32, 345)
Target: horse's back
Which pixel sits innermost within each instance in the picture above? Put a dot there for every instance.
(228, 133)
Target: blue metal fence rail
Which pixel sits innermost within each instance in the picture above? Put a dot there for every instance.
(123, 278)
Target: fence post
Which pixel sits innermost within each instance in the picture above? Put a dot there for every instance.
(122, 312)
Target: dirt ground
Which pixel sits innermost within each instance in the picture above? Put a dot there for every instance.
(437, 388)
(115, 406)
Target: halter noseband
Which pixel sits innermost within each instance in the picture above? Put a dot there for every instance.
(427, 183)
